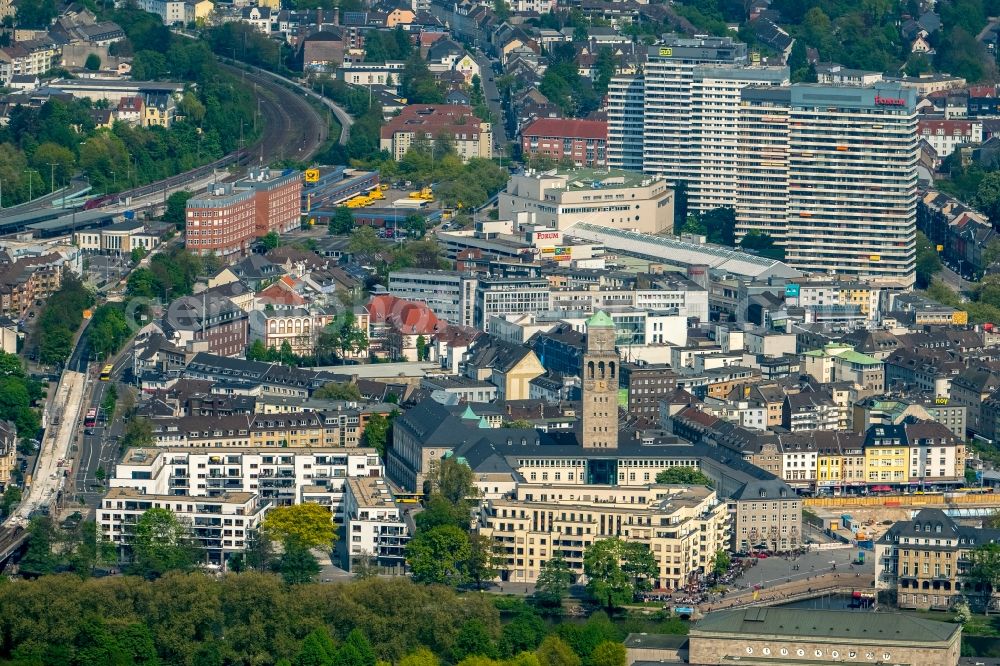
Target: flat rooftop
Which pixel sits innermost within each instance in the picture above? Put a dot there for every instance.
(583, 178)
(237, 497)
(655, 641)
(385, 370)
(457, 382)
(371, 492)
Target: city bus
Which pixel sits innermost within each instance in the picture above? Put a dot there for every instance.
(91, 419)
(106, 373)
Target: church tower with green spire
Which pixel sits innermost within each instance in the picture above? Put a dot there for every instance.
(599, 421)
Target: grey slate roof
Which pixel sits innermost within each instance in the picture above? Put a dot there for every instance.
(936, 524)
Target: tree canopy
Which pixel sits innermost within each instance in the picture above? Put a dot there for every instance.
(553, 581)
(63, 133)
(162, 543)
(617, 569)
(683, 475)
(307, 524)
(60, 319)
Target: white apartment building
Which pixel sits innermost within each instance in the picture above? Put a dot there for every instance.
(342, 427)
(684, 297)
(828, 299)
(371, 74)
(740, 412)
(682, 526)
(170, 11)
(498, 297)
(451, 295)
(626, 111)
(636, 327)
(692, 301)
(299, 327)
(715, 115)
(374, 526)
(539, 6)
(559, 199)
(838, 75)
(932, 455)
(219, 524)
(772, 344)
(799, 466)
(762, 163)
(945, 135)
(852, 188)
(850, 193)
(666, 103)
(31, 57)
(280, 477)
(120, 238)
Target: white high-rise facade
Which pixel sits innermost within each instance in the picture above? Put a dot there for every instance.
(626, 99)
(828, 171)
(714, 130)
(678, 118)
(852, 181)
(762, 162)
(667, 113)
(835, 168)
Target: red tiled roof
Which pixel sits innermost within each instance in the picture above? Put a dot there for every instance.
(280, 293)
(567, 129)
(414, 318)
(405, 316)
(428, 38)
(130, 103)
(697, 416)
(936, 124)
(433, 119)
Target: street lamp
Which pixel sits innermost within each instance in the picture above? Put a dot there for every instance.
(30, 173)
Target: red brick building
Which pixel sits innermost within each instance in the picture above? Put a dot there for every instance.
(277, 197)
(582, 141)
(227, 218)
(221, 221)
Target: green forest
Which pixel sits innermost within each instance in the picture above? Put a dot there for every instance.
(51, 341)
(255, 618)
(41, 149)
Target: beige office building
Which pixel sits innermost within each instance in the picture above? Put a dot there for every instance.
(683, 527)
(608, 198)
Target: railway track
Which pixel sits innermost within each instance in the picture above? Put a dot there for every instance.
(293, 129)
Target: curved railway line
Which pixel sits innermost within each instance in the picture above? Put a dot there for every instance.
(293, 129)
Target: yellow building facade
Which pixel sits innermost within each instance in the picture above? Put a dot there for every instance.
(887, 462)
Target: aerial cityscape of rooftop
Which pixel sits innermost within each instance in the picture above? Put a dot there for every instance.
(499, 332)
